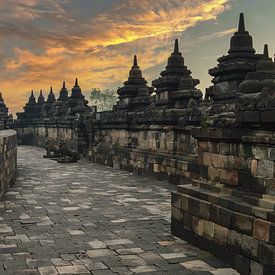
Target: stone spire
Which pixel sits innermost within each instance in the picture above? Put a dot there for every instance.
(241, 23)
(63, 96)
(135, 93)
(76, 90)
(32, 100)
(176, 77)
(232, 70)
(241, 41)
(176, 47)
(175, 69)
(41, 98)
(51, 96)
(135, 72)
(30, 109)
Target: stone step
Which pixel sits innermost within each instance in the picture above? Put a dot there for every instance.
(245, 204)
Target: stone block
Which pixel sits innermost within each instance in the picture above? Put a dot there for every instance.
(242, 264)
(204, 210)
(177, 214)
(184, 203)
(271, 154)
(268, 117)
(224, 148)
(265, 168)
(206, 158)
(256, 268)
(187, 221)
(261, 230)
(193, 206)
(214, 213)
(208, 230)
(229, 177)
(220, 234)
(251, 116)
(254, 164)
(213, 147)
(197, 226)
(225, 217)
(156, 168)
(266, 254)
(202, 146)
(259, 152)
(217, 161)
(270, 186)
(250, 246)
(234, 240)
(176, 200)
(242, 223)
(272, 233)
(213, 174)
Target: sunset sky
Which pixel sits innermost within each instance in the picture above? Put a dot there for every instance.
(44, 42)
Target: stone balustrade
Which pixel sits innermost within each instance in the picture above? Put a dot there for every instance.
(8, 159)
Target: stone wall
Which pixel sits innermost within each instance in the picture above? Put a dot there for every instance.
(8, 159)
(73, 133)
(230, 209)
(165, 152)
(37, 135)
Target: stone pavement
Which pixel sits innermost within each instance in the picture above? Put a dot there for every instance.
(89, 219)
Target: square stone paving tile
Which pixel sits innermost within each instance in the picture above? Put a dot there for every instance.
(48, 270)
(197, 265)
(73, 269)
(99, 253)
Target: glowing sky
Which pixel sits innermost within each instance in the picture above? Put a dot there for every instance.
(44, 42)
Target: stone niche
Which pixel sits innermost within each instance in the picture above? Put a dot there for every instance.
(8, 160)
(229, 209)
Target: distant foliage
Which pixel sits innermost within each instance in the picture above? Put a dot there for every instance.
(103, 99)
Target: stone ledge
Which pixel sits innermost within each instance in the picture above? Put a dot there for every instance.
(224, 224)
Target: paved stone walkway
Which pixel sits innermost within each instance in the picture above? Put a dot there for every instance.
(89, 219)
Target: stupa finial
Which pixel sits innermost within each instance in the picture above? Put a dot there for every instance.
(176, 47)
(266, 51)
(241, 23)
(135, 61)
(76, 82)
(64, 85)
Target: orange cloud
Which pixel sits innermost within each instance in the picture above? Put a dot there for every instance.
(100, 52)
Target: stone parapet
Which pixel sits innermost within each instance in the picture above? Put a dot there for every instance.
(229, 209)
(8, 159)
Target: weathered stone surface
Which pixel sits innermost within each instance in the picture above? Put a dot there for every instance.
(261, 230)
(121, 221)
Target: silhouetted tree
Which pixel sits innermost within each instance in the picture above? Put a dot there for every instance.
(103, 99)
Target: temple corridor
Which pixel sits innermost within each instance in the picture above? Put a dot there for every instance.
(84, 218)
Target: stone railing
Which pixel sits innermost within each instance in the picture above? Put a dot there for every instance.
(8, 159)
